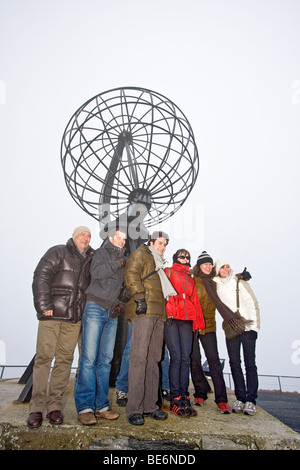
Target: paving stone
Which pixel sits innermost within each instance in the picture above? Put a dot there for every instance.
(214, 443)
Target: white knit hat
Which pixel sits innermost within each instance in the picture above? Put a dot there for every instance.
(219, 263)
(79, 230)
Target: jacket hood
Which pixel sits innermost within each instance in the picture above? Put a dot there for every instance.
(224, 280)
(219, 263)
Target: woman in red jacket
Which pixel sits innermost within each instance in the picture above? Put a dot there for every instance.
(184, 316)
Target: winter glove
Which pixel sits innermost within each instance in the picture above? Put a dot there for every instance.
(117, 310)
(245, 275)
(141, 307)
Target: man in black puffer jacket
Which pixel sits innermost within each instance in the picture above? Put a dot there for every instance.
(59, 283)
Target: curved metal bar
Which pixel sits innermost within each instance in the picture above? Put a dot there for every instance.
(125, 141)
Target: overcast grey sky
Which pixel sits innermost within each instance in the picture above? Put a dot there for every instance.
(232, 67)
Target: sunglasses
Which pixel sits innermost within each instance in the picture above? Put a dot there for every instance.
(183, 257)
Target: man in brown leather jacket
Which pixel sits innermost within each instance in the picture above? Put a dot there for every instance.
(146, 310)
(59, 283)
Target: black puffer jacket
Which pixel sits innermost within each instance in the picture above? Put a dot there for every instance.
(59, 282)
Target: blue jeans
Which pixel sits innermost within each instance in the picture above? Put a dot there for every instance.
(122, 379)
(247, 340)
(165, 365)
(179, 340)
(97, 349)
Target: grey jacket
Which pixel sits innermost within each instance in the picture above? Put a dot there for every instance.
(106, 276)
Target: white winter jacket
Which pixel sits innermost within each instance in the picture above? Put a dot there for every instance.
(249, 309)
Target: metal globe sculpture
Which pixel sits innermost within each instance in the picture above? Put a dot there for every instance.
(127, 149)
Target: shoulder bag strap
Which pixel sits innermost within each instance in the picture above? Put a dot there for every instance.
(237, 296)
(148, 275)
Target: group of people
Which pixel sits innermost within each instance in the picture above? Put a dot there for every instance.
(79, 293)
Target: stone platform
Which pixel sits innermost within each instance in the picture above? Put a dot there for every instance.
(209, 430)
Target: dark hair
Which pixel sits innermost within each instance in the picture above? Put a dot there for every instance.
(158, 234)
(178, 252)
(112, 227)
(196, 271)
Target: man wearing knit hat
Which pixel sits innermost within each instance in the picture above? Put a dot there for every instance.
(59, 283)
(81, 237)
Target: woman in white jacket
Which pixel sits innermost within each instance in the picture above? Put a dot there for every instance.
(227, 283)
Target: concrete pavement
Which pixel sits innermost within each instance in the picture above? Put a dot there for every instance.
(209, 430)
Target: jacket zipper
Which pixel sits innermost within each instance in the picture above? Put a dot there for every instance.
(183, 294)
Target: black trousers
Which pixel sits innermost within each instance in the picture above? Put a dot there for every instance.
(209, 344)
(244, 390)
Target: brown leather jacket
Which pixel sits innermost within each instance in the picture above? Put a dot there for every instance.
(141, 263)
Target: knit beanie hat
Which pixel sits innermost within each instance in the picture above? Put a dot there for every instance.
(204, 258)
(79, 230)
(219, 264)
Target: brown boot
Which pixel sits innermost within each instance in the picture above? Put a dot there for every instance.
(107, 414)
(87, 419)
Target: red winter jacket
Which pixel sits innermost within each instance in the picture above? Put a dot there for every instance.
(185, 305)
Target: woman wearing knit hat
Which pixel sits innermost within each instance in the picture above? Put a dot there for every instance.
(203, 274)
(238, 296)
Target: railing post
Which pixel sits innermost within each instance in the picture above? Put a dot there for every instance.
(279, 383)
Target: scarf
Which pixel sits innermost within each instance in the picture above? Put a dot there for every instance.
(235, 320)
(166, 285)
